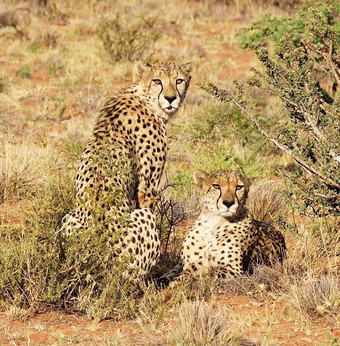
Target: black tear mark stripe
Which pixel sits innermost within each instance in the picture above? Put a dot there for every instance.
(219, 197)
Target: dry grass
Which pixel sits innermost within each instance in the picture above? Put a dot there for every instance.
(266, 201)
(24, 169)
(77, 131)
(307, 282)
(14, 313)
(199, 324)
(315, 295)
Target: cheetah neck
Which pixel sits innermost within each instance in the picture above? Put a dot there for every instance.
(209, 222)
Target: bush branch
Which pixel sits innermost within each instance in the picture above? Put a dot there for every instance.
(226, 96)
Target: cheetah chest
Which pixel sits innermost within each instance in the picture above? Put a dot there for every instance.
(200, 239)
(214, 241)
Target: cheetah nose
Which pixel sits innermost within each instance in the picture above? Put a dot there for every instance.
(170, 98)
(228, 203)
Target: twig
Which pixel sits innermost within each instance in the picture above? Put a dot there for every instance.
(226, 96)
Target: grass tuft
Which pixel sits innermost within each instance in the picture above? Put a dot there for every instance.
(265, 201)
(23, 169)
(199, 324)
(316, 296)
(129, 42)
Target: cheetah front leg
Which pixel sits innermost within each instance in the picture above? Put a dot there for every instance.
(170, 276)
(228, 272)
(230, 269)
(149, 175)
(226, 262)
(146, 198)
(184, 273)
(142, 241)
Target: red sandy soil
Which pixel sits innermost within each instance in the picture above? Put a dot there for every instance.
(53, 328)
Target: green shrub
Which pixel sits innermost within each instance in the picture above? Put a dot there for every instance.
(34, 48)
(126, 41)
(307, 47)
(224, 139)
(30, 254)
(40, 267)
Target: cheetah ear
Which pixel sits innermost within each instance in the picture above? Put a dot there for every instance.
(199, 177)
(187, 68)
(140, 68)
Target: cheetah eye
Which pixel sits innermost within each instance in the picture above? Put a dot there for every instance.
(157, 81)
(179, 80)
(216, 186)
(239, 187)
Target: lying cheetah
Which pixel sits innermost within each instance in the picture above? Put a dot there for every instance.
(123, 161)
(225, 239)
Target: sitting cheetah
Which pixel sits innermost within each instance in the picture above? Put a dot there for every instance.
(225, 239)
(123, 161)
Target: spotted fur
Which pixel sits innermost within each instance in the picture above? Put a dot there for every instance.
(123, 161)
(225, 239)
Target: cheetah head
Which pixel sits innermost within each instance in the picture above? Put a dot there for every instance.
(224, 192)
(164, 85)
